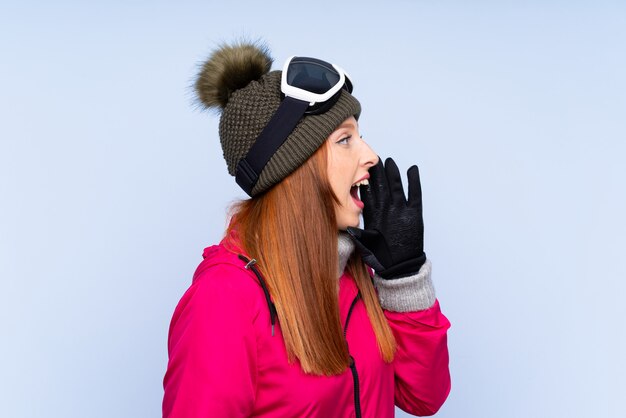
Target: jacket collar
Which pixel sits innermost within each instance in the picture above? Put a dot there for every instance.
(345, 248)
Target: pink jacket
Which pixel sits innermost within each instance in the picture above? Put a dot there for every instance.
(224, 361)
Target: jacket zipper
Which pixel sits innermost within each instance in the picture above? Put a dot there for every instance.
(270, 305)
(355, 375)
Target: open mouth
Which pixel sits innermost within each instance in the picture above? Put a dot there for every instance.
(355, 192)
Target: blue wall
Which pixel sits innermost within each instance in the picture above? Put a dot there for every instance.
(112, 184)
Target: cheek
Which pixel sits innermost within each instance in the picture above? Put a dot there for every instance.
(337, 174)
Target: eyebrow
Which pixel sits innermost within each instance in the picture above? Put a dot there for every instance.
(348, 125)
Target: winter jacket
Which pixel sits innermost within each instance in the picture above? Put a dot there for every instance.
(225, 362)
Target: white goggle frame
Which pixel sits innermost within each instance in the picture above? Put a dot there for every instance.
(305, 95)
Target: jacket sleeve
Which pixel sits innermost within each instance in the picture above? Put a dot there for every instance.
(212, 349)
(422, 376)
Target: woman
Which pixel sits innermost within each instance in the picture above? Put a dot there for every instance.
(282, 318)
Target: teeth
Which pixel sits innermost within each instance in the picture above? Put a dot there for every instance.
(361, 183)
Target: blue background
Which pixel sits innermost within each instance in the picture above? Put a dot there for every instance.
(112, 183)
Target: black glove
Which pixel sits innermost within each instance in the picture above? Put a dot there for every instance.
(392, 241)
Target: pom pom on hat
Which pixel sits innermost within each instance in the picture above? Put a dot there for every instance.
(230, 68)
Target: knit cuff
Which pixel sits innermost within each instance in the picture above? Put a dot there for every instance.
(408, 294)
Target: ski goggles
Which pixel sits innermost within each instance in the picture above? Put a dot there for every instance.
(315, 81)
(309, 86)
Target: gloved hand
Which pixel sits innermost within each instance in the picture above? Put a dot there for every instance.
(392, 241)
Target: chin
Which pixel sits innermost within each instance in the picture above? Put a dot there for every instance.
(347, 216)
(343, 224)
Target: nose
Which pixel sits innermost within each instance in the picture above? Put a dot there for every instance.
(368, 158)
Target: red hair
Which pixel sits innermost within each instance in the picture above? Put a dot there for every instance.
(291, 230)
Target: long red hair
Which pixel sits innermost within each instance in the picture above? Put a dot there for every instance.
(291, 230)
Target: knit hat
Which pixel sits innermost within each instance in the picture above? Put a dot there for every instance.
(236, 80)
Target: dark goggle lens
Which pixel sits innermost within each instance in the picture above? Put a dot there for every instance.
(312, 75)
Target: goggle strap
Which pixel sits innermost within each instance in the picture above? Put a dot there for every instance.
(271, 138)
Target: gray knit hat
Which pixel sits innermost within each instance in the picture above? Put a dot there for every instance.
(236, 79)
